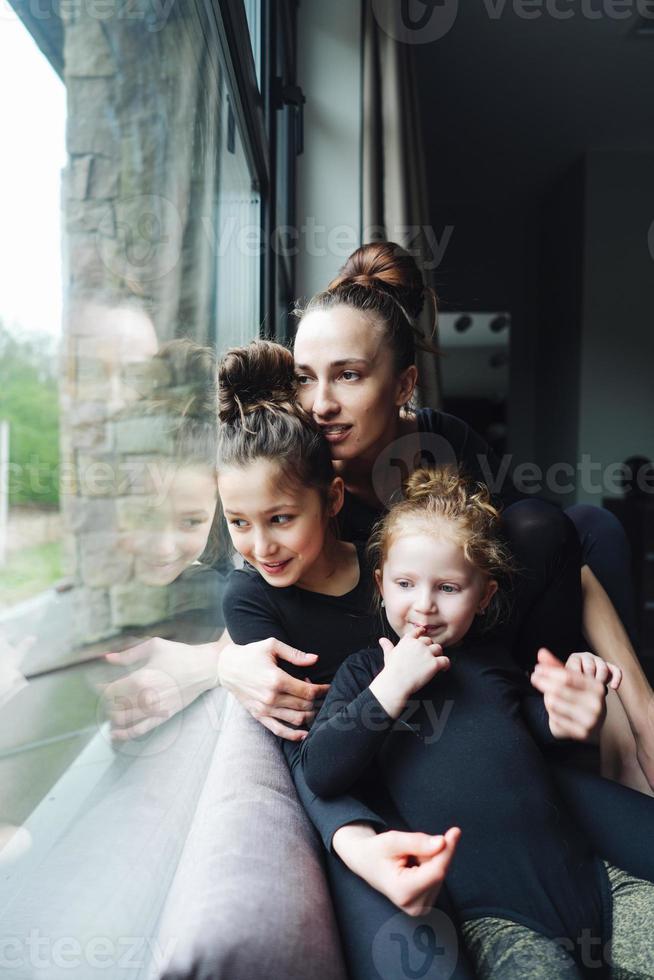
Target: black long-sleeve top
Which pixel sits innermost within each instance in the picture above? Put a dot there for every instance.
(466, 753)
(442, 440)
(332, 627)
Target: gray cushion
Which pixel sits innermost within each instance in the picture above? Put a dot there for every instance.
(249, 899)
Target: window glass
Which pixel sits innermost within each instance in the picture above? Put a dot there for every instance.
(134, 146)
(132, 246)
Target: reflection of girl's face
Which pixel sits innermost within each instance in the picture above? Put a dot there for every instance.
(348, 381)
(115, 348)
(279, 530)
(167, 531)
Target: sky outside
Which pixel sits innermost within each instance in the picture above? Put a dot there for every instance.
(32, 155)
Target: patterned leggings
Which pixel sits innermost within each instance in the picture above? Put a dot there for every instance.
(503, 950)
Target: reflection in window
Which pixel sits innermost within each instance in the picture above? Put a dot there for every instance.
(162, 251)
(163, 242)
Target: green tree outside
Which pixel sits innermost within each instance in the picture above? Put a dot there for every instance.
(29, 401)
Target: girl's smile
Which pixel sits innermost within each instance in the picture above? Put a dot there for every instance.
(428, 583)
(281, 531)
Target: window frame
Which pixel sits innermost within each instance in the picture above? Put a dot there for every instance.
(258, 114)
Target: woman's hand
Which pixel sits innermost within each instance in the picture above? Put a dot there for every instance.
(408, 666)
(272, 696)
(592, 666)
(408, 868)
(575, 702)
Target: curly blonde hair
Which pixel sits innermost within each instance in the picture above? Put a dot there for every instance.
(443, 502)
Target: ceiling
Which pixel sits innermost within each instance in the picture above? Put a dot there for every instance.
(508, 103)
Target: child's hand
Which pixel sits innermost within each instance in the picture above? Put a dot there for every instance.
(593, 666)
(414, 660)
(575, 702)
(408, 666)
(409, 868)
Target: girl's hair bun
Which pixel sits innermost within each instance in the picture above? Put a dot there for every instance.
(443, 481)
(388, 267)
(261, 375)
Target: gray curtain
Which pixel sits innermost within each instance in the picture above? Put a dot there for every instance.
(395, 199)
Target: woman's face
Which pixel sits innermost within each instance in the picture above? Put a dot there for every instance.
(280, 530)
(348, 381)
(166, 531)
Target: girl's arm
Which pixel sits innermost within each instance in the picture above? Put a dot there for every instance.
(349, 730)
(364, 700)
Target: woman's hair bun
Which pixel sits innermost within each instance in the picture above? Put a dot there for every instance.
(388, 267)
(261, 375)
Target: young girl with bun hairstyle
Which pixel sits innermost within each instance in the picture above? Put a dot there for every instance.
(355, 356)
(303, 587)
(524, 881)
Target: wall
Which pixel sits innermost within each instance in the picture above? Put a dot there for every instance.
(557, 315)
(617, 365)
(595, 363)
(329, 193)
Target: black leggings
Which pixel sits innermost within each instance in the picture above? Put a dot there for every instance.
(382, 943)
(550, 546)
(546, 586)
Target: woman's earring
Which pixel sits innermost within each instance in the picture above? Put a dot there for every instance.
(382, 603)
(481, 612)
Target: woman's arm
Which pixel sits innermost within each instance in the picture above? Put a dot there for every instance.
(608, 639)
